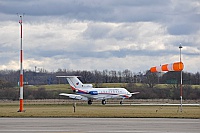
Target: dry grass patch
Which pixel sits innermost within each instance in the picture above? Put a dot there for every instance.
(100, 111)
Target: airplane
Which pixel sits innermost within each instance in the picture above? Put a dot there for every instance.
(86, 92)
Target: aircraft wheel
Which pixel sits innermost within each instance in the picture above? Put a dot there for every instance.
(89, 102)
(103, 102)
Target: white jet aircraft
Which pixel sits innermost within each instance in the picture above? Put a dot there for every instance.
(88, 93)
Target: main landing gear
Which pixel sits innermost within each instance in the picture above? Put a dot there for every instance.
(89, 102)
(103, 101)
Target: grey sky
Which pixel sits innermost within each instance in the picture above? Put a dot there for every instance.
(100, 34)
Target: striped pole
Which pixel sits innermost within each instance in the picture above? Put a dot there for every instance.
(181, 83)
(21, 102)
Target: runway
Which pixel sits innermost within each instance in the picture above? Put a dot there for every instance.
(160, 104)
(99, 125)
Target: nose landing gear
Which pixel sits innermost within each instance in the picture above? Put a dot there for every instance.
(121, 102)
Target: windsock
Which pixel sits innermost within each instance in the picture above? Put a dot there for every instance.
(177, 66)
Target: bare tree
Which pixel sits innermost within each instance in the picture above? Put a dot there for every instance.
(151, 79)
(97, 78)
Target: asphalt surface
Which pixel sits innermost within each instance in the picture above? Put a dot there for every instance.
(99, 125)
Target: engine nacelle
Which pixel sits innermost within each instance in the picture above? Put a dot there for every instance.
(87, 85)
(93, 92)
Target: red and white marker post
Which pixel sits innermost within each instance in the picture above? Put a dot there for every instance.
(21, 82)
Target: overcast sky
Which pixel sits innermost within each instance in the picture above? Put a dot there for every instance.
(100, 34)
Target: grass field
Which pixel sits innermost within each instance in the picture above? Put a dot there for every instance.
(52, 110)
(107, 85)
(37, 108)
(63, 87)
(66, 87)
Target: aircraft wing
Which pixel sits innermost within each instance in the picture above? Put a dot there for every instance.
(135, 93)
(129, 95)
(73, 96)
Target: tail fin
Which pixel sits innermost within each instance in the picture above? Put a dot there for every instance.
(75, 82)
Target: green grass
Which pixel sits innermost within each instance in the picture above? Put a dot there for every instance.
(113, 85)
(51, 87)
(66, 87)
(196, 86)
(100, 111)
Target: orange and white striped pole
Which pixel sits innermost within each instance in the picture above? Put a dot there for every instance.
(21, 102)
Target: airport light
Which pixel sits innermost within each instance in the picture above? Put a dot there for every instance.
(181, 81)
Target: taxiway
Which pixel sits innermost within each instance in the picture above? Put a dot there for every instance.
(99, 125)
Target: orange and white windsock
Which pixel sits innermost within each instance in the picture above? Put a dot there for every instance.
(177, 66)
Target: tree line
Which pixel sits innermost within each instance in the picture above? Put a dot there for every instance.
(11, 77)
(9, 80)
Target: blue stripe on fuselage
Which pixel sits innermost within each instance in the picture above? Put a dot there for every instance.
(86, 92)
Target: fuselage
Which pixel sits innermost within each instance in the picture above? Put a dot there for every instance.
(104, 93)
